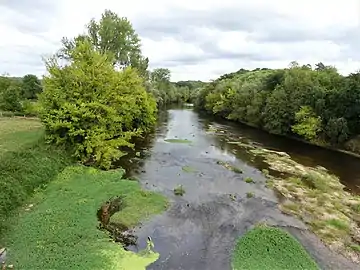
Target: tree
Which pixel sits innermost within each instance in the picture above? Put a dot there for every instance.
(92, 108)
(114, 36)
(31, 86)
(10, 98)
(308, 124)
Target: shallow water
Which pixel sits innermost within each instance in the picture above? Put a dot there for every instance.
(201, 227)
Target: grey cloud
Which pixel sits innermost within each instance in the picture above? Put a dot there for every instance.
(29, 17)
(262, 26)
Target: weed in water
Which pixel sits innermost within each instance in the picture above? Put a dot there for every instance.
(270, 248)
(185, 141)
(250, 194)
(229, 166)
(179, 190)
(188, 169)
(249, 180)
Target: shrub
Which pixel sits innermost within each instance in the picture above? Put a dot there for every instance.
(92, 108)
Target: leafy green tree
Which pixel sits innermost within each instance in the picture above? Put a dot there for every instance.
(10, 98)
(114, 36)
(308, 124)
(31, 86)
(92, 108)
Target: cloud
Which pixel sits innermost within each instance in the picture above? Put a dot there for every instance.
(195, 40)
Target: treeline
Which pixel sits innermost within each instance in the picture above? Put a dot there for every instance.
(166, 92)
(316, 104)
(18, 94)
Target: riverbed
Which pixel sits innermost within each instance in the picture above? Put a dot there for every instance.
(200, 228)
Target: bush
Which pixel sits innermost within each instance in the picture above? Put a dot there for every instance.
(92, 108)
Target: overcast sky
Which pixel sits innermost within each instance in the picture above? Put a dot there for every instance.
(194, 39)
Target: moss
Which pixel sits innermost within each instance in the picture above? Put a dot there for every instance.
(270, 248)
(60, 231)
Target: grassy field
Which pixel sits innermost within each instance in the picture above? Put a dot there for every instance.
(48, 206)
(270, 248)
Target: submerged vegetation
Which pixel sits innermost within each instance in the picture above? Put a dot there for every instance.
(270, 248)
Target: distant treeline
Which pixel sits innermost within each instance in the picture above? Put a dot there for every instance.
(314, 103)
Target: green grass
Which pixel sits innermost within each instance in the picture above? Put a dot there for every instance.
(270, 248)
(60, 231)
(178, 141)
(17, 133)
(26, 164)
(338, 224)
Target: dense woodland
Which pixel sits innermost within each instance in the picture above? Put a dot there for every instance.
(315, 104)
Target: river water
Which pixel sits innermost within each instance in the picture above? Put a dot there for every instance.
(200, 228)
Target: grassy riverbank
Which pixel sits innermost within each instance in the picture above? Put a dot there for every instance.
(48, 206)
(270, 248)
(26, 164)
(60, 230)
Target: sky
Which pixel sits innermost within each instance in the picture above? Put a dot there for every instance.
(196, 40)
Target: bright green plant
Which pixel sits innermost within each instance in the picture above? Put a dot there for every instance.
(92, 108)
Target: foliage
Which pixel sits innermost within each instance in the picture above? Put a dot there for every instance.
(270, 248)
(92, 108)
(114, 36)
(16, 91)
(318, 104)
(308, 125)
(60, 230)
(10, 99)
(31, 86)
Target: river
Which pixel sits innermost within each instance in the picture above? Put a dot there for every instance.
(201, 227)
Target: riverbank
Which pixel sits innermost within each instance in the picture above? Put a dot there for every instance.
(57, 225)
(317, 198)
